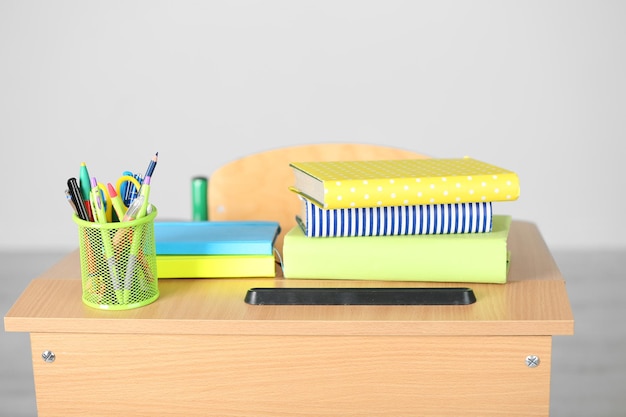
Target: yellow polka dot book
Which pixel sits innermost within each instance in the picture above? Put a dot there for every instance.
(376, 183)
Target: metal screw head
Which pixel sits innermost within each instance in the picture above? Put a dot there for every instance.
(532, 361)
(48, 356)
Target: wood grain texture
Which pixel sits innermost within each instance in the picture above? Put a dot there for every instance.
(199, 375)
(200, 350)
(533, 302)
(255, 187)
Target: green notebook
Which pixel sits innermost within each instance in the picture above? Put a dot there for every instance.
(471, 257)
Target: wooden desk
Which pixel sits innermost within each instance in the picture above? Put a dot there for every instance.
(200, 350)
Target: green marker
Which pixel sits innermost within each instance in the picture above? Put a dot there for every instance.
(199, 199)
(84, 183)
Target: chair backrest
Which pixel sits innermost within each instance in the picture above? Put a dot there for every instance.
(256, 187)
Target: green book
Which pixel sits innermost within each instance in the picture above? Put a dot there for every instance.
(469, 257)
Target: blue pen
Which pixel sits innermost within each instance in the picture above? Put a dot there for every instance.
(124, 189)
(134, 192)
(131, 192)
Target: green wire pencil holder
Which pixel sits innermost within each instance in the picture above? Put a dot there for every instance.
(118, 263)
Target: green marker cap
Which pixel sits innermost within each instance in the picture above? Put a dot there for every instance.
(199, 199)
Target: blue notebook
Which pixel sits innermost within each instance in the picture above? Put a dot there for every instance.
(215, 237)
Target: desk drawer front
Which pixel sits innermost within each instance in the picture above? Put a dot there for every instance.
(199, 375)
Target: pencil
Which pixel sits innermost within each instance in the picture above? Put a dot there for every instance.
(152, 165)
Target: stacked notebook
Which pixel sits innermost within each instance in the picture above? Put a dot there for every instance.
(416, 219)
(215, 249)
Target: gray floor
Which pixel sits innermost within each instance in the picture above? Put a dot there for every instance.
(588, 369)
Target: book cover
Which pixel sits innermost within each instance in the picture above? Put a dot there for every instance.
(215, 237)
(215, 266)
(395, 220)
(475, 257)
(346, 184)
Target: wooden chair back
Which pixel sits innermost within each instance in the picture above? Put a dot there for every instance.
(256, 187)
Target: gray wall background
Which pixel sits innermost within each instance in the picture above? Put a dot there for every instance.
(538, 87)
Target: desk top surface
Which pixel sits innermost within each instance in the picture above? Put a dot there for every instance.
(534, 301)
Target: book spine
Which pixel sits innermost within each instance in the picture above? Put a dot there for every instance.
(397, 220)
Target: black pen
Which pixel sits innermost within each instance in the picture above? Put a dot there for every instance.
(75, 195)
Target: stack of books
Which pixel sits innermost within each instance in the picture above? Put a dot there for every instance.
(215, 249)
(400, 220)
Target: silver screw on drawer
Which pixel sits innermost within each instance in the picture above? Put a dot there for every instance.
(532, 361)
(48, 356)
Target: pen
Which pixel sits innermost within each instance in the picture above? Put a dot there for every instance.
(77, 199)
(132, 191)
(85, 189)
(124, 188)
(68, 196)
(133, 210)
(140, 205)
(130, 215)
(100, 216)
(81, 212)
(97, 205)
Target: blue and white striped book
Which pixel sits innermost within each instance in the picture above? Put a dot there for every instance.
(396, 220)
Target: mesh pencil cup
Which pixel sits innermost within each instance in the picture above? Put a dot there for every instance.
(118, 263)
